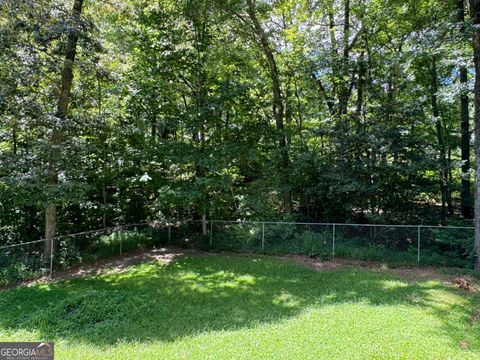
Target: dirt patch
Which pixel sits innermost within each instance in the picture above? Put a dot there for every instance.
(475, 316)
(319, 265)
(407, 273)
(120, 263)
(117, 264)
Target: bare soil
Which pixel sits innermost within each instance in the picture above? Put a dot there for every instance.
(165, 255)
(116, 264)
(475, 316)
(409, 273)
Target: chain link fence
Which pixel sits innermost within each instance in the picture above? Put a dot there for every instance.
(392, 244)
(28, 260)
(22, 261)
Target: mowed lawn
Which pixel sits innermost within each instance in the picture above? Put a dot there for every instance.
(227, 307)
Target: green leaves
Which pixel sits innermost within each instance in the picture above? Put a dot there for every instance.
(178, 91)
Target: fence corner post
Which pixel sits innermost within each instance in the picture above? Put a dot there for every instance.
(333, 242)
(418, 244)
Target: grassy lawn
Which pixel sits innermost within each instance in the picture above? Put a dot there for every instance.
(243, 307)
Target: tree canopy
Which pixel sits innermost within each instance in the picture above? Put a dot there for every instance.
(352, 110)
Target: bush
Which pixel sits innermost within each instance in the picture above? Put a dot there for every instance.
(392, 245)
(17, 266)
(91, 247)
(237, 237)
(455, 247)
(124, 241)
(308, 242)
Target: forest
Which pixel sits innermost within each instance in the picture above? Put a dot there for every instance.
(123, 111)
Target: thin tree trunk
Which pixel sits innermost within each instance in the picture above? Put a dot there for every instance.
(204, 224)
(278, 108)
(299, 115)
(334, 52)
(466, 194)
(344, 88)
(360, 86)
(441, 143)
(466, 201)
(288, 111)
(104, 209)
(104, 153)
(475, 14)
(57, 136)
(450, 207)
(201, 171)
(200, 97)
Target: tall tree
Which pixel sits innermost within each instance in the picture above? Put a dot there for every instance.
(440, 130)
(466, 194)
(278, 103)
(186, 108)
(475, 14)
(61, 114)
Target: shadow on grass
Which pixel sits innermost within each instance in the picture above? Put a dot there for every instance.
(193, 295)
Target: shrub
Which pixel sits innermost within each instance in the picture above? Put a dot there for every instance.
(111, 244)
(237, 237)
(17, 266)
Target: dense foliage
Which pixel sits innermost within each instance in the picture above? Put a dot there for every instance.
(349, 110)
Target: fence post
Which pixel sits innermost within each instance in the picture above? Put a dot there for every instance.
(333, 242)
(169, 233)
(263, 236)
(418, 244)
(51, 256)
(211, 232)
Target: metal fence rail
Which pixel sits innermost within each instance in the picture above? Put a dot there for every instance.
(402, 244)
(28, 260)
(395, 244)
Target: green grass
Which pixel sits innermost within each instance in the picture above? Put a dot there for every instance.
(243, 307)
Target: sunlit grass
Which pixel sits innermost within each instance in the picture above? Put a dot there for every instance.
(244, 307)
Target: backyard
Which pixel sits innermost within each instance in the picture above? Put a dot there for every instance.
(192, 304)
(240, 179)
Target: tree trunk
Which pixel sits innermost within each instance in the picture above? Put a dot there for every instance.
(466, 202)
(475, 14)
(50, 228)
(57, 136)
(104, 142)
(334, 51)
(466, 194)
(288, 111)
(201, 170)
(204, 224)
(450, 207)
(278, 108)
(299, 116)
(443, 174)
(104, 207)
(360, 86)
(344, 85)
